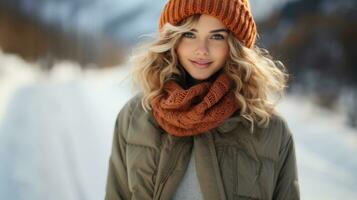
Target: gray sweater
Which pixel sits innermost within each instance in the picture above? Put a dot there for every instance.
(189, 188)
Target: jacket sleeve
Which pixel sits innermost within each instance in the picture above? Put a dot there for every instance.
(117, 187)
(287, 186)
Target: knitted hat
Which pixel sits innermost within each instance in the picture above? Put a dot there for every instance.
(235, 14)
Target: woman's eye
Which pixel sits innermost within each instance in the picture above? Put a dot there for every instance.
(188, 35)
(191, 35)
(218, 36)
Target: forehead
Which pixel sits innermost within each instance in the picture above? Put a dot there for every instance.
(208, 22)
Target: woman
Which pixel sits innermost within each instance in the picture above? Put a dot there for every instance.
(204, 125)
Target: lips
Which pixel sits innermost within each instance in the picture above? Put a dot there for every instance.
(201, 63)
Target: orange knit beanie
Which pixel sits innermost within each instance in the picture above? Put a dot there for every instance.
(235, 14)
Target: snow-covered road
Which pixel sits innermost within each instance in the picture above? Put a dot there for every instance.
(326, 150)
(55, 139)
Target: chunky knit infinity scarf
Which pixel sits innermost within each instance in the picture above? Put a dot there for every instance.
(198, 109)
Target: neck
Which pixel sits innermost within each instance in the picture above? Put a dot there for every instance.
(190, 81)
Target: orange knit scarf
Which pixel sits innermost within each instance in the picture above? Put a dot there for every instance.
(195, 110)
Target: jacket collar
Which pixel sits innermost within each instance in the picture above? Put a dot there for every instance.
(233, 122)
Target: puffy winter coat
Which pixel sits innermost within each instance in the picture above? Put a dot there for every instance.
(232, 163)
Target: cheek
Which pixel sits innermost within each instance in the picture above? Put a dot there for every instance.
(220, 52)
(182, 51)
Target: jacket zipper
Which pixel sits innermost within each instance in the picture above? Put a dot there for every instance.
(235, 167)
(170, 167)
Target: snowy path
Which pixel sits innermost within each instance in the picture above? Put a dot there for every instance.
(55, 140)
(56, 137)
(326, 151)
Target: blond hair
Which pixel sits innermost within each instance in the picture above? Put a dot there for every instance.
(259, 80)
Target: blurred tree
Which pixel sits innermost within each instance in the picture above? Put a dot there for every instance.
(34, 41)
(311, 37)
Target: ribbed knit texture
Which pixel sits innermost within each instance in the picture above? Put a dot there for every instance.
(235, 14)
(195, 110)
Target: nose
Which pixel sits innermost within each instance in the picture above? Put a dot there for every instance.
(202, 48)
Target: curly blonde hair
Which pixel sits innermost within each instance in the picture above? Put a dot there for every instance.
(259, 80)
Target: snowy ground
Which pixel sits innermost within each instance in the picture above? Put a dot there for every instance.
(56, 129)
(326, 150)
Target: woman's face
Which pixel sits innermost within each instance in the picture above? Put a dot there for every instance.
(204, 50)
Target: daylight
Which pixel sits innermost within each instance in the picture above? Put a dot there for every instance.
(65, 74)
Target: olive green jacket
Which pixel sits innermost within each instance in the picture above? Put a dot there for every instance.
(231, 162)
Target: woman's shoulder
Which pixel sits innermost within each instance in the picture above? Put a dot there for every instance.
(277, 129)
(133, 103)
(279, 122)
(277, 133)
(124, 116)
(280, 125)
(139, 127)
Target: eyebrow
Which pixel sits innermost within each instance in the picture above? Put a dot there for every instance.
(213, 31)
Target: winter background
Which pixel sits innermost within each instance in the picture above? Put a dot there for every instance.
(64, 76)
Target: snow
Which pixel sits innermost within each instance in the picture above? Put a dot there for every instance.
(56, 130)
(325, 149)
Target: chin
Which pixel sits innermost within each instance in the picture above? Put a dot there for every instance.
(200, 77)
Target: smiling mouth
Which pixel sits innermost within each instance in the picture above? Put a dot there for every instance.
(201, 64)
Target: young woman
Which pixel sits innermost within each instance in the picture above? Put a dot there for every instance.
(204, 125)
